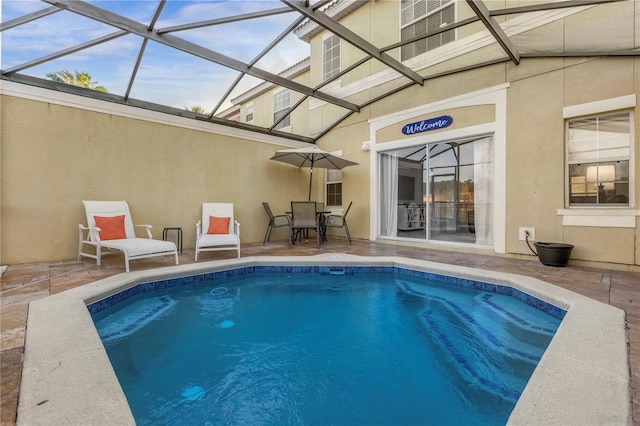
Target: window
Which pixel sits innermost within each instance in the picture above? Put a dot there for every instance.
(598, 153)
(281, 107)
(248, 117)
(418, 17)
(330, 57)
(333, 181)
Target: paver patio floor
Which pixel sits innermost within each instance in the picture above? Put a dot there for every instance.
(24, 283)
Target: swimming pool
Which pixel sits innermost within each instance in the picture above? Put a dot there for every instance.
(68, 379)
(324, 345)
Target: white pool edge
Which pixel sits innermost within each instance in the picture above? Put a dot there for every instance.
(583, 377)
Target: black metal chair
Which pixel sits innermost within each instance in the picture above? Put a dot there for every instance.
(276, 221)
(338, 221)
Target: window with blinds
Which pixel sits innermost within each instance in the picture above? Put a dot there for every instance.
(248, 117)
(598, 159)
(419, 17)
(330, 57)
(281, 106)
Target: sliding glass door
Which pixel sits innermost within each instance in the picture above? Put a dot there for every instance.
(439, 192)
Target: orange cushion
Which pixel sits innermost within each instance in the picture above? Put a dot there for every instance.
(111, 228)
(218, 225)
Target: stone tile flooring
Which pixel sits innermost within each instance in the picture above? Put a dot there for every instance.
(21, 284)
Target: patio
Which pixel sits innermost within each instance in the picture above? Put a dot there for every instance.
(24, 283)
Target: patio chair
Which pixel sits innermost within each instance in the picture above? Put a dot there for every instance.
(338, 221)
(109, 226)
(303, 218)
(218, 230)
(276, 221)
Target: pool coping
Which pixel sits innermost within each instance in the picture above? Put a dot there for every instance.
(583, 377)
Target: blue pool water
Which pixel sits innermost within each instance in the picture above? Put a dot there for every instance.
(311, 348)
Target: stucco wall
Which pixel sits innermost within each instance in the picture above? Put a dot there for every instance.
(355, 179)
(53, 157)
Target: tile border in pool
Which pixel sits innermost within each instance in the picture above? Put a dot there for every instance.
(191, 280)
(583, 377)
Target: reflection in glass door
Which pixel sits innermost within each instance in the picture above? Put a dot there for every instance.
(439, 192)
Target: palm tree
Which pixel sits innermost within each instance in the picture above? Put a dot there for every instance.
(196, 109)
(79, 78)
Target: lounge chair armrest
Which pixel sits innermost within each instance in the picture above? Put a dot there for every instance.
(198, 229)
(148, 227)
(93, 232)
(236, 228)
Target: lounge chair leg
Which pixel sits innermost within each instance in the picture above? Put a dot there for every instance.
(267, 235)
(346, 228)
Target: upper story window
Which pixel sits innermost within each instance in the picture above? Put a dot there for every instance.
(418, 17)
(598, 159)
(281, 107)
(248, 115)
(330, 57)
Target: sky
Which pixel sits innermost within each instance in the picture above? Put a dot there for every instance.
(166, 76)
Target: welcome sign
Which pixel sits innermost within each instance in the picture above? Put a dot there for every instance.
(426, 125)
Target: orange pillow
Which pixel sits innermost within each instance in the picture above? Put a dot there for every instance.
(218, 225)
(111, 228)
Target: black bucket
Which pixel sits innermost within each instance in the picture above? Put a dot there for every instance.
(553, 254)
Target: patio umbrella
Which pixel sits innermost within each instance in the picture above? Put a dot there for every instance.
(312, 157)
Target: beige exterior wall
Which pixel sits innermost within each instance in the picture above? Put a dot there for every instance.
(53, 157)
(355, 179)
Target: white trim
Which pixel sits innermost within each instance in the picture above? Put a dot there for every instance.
(599, 107)
(334, 9)
(611, 218)
(279, 90)
(327, 35)
(24, 91)
(486, 96)
(496, 96)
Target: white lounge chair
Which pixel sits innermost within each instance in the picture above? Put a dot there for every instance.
(110, 227)
(213, 233)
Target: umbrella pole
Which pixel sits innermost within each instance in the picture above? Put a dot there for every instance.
(310, 179)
